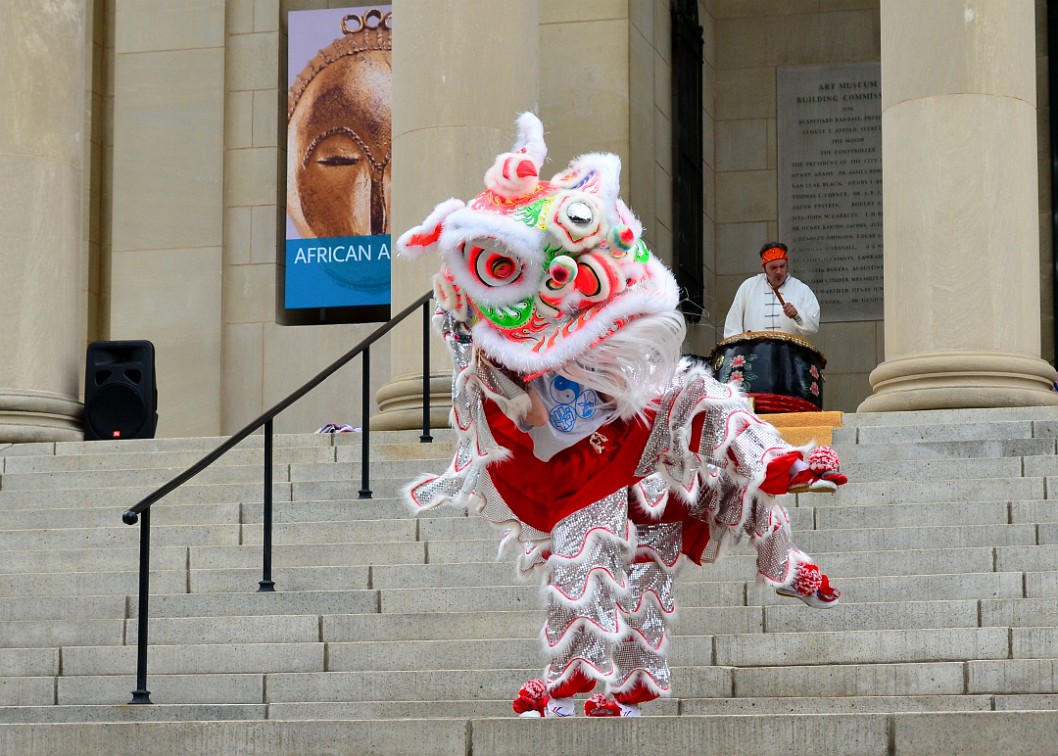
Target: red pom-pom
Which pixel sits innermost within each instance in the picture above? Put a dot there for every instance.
(532, 697)
(601, 706)
(808, 579)
(823, 459)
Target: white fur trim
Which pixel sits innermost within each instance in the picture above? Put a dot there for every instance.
(531, 137)
(427, 227)
(521, 242)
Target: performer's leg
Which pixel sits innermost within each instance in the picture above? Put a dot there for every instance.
(590, 551)
(733, 511)
(641, 656)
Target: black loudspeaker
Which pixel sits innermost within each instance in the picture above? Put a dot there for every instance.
(120, 393)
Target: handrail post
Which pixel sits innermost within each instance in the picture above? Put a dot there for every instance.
(425, 438)
(266, 585)
(365, 423)
(141, 695)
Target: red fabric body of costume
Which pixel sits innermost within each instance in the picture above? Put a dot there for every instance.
(542, 493)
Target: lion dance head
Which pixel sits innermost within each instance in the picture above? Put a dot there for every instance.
(554, 275)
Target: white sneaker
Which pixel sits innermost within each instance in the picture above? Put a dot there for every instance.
(629, 710)
(560, 707)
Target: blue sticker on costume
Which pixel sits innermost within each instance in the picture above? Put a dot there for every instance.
(587, 403)
(563, 390)
(563, 418)
(572, 403)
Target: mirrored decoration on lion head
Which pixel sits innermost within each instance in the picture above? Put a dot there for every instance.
(544, 271)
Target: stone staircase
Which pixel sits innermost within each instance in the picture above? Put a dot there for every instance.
(391, 635)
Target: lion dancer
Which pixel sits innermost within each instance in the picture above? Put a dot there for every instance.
(568, 394)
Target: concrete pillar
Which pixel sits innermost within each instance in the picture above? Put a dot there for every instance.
(44, 62)
(462, 72)
(961, 228)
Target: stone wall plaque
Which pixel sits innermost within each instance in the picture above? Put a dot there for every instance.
(830, 184)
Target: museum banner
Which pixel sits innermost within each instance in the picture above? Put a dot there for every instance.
(339, 145)
(830, 184)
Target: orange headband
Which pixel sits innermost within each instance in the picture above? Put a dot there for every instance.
(772, 253)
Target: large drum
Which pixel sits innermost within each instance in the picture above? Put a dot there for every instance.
(782, 372)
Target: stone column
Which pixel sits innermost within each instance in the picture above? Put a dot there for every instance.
(44, 62)
(462, 72)
(961, 228)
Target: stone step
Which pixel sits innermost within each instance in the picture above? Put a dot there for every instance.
(1044, 416)
(124, 713)
(354, 531)
(90, 560)
(905, 491)
(384, 477)
(307, 554)
(934, 470)
(931, 432)
(120, 499)
(129, 457)
(821, 541)
(103, 517)
(176, 460)
(119, 536)
(66, 608)
(311, 578)
(825, 546)
(376, 508)
(871, 589)
(234, 657)
(693, 620)
(126, 582)
(988, 676)
(362, 602)
(67, 483)
(970, 733)
(923, 450)
(96, 583)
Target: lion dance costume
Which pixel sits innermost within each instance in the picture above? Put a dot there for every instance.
(583, 434)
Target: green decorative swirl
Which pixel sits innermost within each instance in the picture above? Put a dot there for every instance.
(510, 316)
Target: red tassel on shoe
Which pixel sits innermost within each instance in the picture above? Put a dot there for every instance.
(532, 697)
(824, 462)
(808, 580)
(825, 592)
(601, 706)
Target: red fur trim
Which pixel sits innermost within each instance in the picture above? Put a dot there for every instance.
(637, 695)
(576, 683)
(777, 475)
(425, 240)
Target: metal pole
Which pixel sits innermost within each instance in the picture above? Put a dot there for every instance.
(425, 438)
(1052, 95)
(141, 695)
(365, 413)
(266, 585)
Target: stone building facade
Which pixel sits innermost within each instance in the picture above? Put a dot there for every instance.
(143, 148)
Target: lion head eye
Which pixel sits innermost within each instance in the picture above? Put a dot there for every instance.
(579, 213)
(491, 263)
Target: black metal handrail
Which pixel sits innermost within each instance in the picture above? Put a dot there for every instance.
(266, 585)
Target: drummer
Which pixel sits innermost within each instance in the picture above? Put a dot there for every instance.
(773, 300)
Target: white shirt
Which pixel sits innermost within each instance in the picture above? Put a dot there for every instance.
(756, 308)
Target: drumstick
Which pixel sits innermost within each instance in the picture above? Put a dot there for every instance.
(782, 302)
